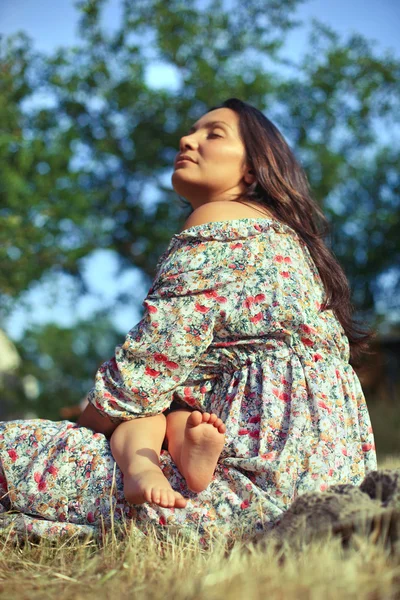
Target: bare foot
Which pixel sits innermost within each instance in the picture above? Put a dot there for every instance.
(202, 445)
(150, 485)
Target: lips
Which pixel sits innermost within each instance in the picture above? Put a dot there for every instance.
(184, 157)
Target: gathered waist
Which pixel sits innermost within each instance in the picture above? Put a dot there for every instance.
(240, 353)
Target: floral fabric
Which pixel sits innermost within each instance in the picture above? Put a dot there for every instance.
(231, 326)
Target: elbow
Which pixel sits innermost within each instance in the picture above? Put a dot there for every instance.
(93, 419)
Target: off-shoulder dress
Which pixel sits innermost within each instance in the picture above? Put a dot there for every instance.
(231, 325)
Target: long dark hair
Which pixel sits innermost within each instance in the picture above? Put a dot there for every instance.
(282, 186)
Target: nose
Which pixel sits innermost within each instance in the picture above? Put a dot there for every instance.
(186, 142)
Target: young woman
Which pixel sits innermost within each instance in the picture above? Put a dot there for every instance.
(242, 364)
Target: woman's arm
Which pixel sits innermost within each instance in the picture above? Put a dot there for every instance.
(92, 419)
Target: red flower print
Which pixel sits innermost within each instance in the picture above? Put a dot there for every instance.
(237, 245)
(244, 504)
(331, 472)
(210, 294)
(248, 302)
(305, 328)
(268, 456)
(13, 455)
(170, 364)
(42, 485)
(53, 470)
(344, 452)
(243, 432)
(279, 258)
(162, 520)
(258, 227)
(323, 405)
(259, 297)
(284, 274)
(255, 419)
(159, 357)
(150, 307)
(189, 398)
(367, 447)
(254, 434)
(317, 357)
(222, 313)
(307, 341)
(222, 299)
(37, 477)
(287, 259)
(90, 517)
(284, 396)
(323, 487)
(258, 317)
(151, 372)
(201, 308)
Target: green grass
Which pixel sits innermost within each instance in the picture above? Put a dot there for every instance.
(144, 567)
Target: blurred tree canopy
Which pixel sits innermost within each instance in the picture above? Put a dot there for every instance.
(76, 169)
(60, 363)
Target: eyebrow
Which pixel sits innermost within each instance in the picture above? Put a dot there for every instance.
(210, 124)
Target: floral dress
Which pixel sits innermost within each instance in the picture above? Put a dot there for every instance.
(232, 326)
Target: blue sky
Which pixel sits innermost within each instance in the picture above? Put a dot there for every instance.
(53, 23)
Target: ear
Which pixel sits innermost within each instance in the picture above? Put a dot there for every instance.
(249, 176)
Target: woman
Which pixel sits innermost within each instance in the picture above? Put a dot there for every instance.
(248, 318)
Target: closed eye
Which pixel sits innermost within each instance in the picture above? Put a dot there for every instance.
(215, 134)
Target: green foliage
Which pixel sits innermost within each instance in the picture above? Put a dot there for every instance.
(63, 361)
(75, 172)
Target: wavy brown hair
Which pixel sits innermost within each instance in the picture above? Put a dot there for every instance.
(282, 186)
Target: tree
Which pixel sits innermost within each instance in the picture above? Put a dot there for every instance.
(63, 361)
(75, 173)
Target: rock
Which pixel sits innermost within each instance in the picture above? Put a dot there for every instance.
(371, 509)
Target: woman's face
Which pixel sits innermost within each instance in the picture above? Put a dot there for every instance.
(219, 171)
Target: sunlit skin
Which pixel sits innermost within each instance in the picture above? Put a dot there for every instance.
(220, 171)
(195, 440)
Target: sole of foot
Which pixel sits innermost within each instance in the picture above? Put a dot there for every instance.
(201, 448)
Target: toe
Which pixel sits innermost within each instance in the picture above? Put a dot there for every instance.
(148, 495)
(206, 417)
(195, 418)
(164, 500)
(155, 495)
(180, 501)
(213, 418)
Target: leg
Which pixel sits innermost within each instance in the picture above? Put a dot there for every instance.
(175, 433)
(195, 441)
(136, 446)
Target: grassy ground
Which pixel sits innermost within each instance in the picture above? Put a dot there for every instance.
(142, 568)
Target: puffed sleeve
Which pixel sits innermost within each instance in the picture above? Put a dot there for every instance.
(181, 310)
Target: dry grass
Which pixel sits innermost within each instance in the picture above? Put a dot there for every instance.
(145, 567)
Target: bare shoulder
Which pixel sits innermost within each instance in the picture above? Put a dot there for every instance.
(222, 211)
